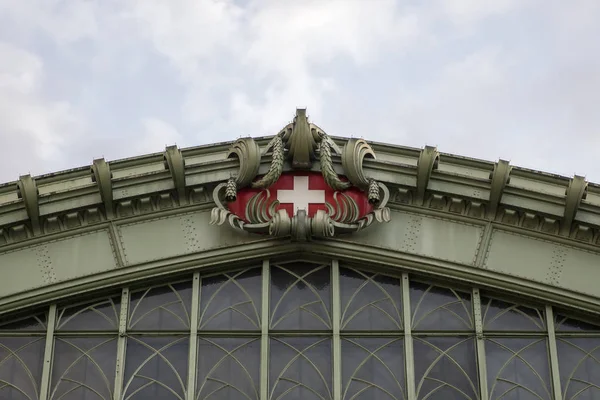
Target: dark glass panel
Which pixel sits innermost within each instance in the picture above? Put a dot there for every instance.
(300, 368)
(373, 369)
(84, 368)
(156, 367)
(231, 301)
(518, 369)
(370, 301)
(439, 309)
(161, 308)
(228, 368)
(502, 316)
(21, 361)
(565, 324)
(300, 297)
(99, 315)
(445, 368)
(34, 323)
(579, 364)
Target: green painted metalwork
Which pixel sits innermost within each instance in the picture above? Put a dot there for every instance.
(121, 344)
(408, 342)
(337, 317)
(48, 353)
(191, 382)
(554, 362)
(264, 354)
(481, 362)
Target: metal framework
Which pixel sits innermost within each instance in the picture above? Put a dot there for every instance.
(287, 330)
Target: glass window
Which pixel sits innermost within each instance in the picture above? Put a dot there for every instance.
(445, 368)
(579, 364)
(499, 315)
(439, 309)
(373, 368)
(231, 301)
(370, 301)
(518, 368)
(99, 315)
(300, 297)
(161, 308)
(21, 363)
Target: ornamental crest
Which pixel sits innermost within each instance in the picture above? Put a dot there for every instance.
(300, 194)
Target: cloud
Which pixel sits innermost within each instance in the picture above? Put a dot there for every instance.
(156, 136)
(33, 129)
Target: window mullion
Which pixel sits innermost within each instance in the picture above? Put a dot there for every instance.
(264, 346)
(48, 354)
(408, 344)
(337, 345)
(480, 343)
(121, 344)
(191, 386)
(555, 373)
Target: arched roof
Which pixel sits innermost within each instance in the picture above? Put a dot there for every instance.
(458, 215)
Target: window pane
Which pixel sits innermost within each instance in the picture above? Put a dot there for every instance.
(445, 368)
(99, 315)
(84, 368)
(501, 316)
(300, 368)
(579, 363)
(372, 368)
(228, 368)
(300, 296)
(161, 308)
(518, 368)
(231, 301)
(370, 301)
(21, 361)
(156, 367)
(436, 308)
(33, 323)
(565, 324)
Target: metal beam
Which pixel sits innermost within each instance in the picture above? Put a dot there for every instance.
(103, 177)
(480, 343)
(428, 161)
(175, 163)
(191, 385)
(337, 344)
(121, 345)
(27, 190)
(500, 178)
(554, 370)
(48, 355)
(408, 344)
(575, 193)
(264, 346)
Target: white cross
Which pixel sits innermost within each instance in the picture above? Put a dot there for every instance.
(301, 196)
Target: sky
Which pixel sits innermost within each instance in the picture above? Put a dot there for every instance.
(490, 79)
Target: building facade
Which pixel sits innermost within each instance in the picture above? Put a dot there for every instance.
(300, 266)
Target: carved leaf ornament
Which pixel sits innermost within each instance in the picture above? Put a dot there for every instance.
(300, 203)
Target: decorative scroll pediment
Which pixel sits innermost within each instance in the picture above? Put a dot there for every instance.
(300, 203)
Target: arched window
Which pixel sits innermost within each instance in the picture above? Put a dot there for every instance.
(298, 330)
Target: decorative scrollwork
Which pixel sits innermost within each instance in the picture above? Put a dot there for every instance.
(301, 142)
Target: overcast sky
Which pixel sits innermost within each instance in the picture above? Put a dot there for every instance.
(490, 79)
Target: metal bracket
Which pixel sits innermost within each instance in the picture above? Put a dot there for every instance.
(500, 178)
(575, 193)
(175, 164)
(27, 190)
(428, 161)
(103, 178)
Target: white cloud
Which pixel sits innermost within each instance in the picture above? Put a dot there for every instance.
(156, 135)
(33, 129)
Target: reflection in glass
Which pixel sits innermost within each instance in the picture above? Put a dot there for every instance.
(579, 363)
(21, 360)
(370, 301)
(438, 309)
(156, 367)
(300, 368)
(84, 368)
(502, 316)
(300, 296)
(518, 368)
(161, 308)
(445, 368)
(231, 301)
(100, 315)
(372, 369)
(228, 368)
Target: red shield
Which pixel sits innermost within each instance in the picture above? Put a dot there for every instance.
(303, 190)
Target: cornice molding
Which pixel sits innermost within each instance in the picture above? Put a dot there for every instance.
(179, 178)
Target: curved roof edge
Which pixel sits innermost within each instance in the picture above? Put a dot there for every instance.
(558, 207)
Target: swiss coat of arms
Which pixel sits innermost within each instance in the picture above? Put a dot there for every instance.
(301, 194)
